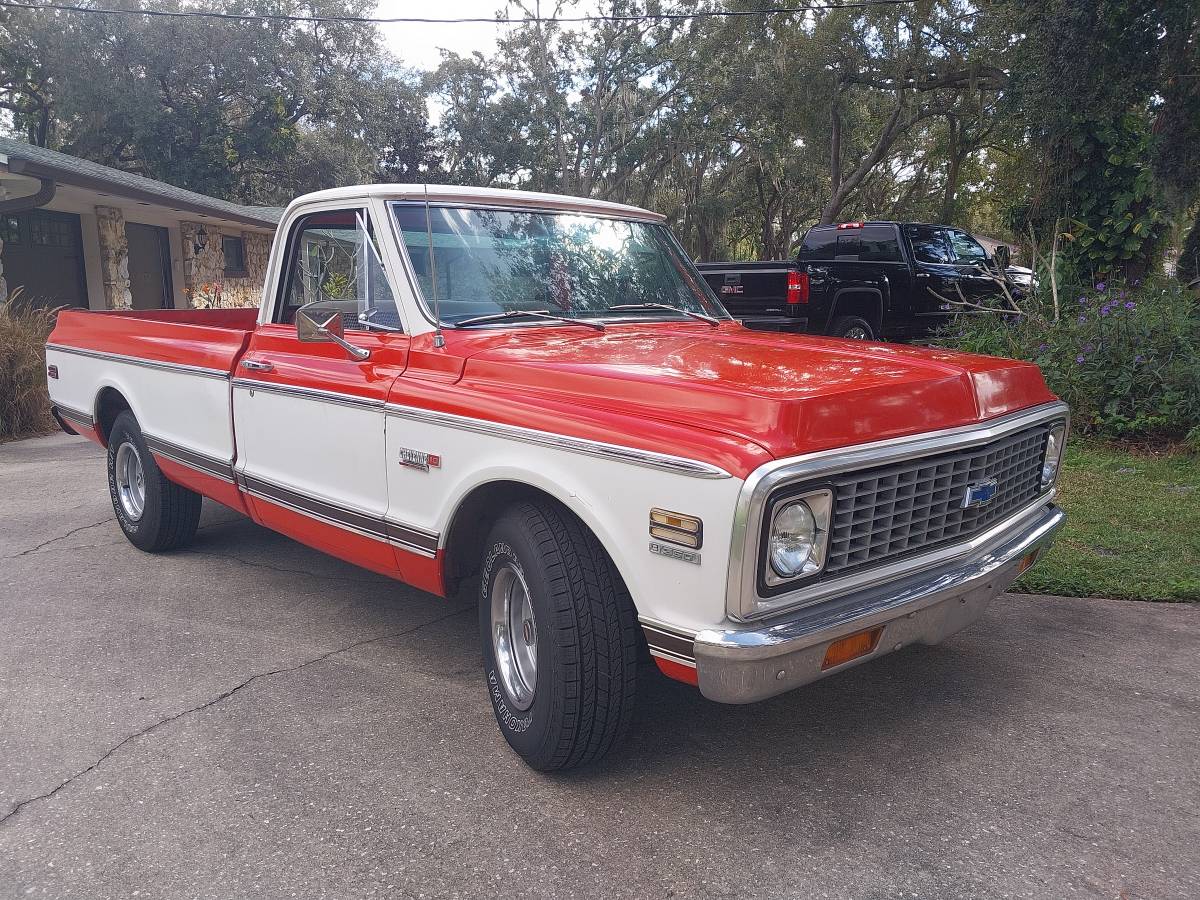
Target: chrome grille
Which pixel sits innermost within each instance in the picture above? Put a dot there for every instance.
(892, 510)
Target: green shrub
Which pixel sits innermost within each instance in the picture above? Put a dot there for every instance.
(24, 403)
(1125, 357)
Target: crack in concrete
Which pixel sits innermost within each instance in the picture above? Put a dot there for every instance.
(224, 695)
(61, 537)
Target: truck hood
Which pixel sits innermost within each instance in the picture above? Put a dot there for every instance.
(789, 394)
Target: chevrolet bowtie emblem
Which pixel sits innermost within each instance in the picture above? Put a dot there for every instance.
(980, 494)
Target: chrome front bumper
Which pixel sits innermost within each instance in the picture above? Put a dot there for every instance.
(744, 665)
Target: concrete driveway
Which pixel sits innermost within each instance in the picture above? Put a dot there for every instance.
(252, 718)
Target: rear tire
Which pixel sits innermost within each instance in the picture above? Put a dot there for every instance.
(852, 328)
(560, 638)
(155, 514)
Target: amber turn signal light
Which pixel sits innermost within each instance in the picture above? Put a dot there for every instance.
(1027, 562)
(851, 647)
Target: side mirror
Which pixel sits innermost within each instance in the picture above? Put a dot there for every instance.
(320, 323)
(1001, 258)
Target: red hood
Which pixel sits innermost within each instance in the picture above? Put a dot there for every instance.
(789, 394)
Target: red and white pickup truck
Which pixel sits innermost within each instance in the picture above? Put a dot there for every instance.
(537, 399)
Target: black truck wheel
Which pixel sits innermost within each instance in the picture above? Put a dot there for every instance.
(155, 514)
(560, 638)
(852, 327)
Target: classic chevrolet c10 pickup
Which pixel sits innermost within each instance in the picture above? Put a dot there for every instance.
(536, 401)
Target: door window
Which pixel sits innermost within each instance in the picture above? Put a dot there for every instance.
(334, 259)
(967, 250)
(929, 244)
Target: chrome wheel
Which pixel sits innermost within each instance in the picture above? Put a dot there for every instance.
(131, 481)
(514, 635)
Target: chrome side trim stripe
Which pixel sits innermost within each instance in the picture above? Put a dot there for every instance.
(200, 462)
(649, 459)
(145, 363)
(688, 661)
(665, 461)
(408, 537)
(253, 384)
(75, 415)
(669, 644)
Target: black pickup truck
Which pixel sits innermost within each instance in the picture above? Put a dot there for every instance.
(866, 280)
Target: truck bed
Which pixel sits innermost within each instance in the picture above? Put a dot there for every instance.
(172, 366)
(207, 338)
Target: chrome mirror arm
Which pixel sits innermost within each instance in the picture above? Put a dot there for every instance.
(357, 352)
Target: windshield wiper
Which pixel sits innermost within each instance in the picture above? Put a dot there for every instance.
(526, 313)
(711, 320)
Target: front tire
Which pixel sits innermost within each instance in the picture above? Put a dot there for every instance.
(560, 638)
(155, 514)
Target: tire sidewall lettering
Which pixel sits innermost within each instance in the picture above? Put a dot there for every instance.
(518, 724)
(130, 527)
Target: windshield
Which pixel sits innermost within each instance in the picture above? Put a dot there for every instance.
(574, 266)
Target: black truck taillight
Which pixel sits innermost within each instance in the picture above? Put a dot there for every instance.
(797, 288)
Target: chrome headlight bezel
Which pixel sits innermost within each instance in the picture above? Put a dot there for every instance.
(1056, 442)
(819, 503)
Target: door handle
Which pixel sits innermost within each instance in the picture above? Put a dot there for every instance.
(255, 365)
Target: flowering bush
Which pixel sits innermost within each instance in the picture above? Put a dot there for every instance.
(1125, 357)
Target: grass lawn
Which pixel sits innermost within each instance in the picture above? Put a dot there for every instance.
(1133, 527)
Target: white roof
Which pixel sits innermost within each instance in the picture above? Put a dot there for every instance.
(443, 193)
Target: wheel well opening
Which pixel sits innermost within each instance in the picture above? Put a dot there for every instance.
(109, 405)
(473, 520)
(864, 305)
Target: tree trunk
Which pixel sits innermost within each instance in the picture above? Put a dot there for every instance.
(953, 171)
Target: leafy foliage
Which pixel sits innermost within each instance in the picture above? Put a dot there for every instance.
(745, 131)
(245, 110)
(1126, 358)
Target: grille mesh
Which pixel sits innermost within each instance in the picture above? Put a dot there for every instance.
(882, 513)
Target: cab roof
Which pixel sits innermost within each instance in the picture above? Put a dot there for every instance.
(445, 193)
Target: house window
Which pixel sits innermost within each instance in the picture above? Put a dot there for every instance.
(10, 229)
(51, 231)
(235, 256)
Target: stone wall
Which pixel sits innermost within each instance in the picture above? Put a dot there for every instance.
(114, 257)
(204, 272)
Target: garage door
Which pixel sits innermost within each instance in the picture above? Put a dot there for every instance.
(43, 252)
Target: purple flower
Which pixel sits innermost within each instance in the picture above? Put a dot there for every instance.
(1129, 304)
(1079, 359)
(1088, 348)
(1042, 348)
(1105, 310)
(1138, 358)
(1082, 319)
(1082, 301)
(1101, 286)
(1121, 295)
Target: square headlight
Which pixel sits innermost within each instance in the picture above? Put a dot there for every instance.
(1056, 440)
(797, 537)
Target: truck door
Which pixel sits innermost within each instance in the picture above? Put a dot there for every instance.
(309, 417)
(935, 275)
(971, 261)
